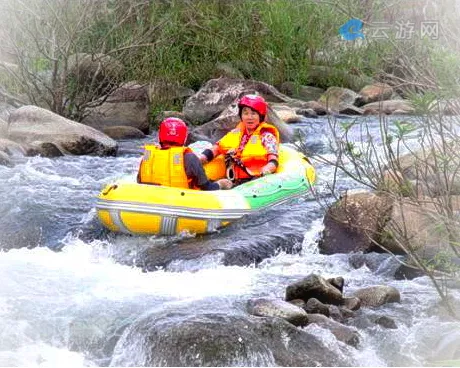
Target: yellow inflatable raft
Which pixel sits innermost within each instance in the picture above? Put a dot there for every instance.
(129, 207)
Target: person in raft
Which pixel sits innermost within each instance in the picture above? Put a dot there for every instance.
(172, 164)
(251, 148)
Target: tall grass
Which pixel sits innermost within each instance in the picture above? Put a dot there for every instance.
(273, 40)
(182, 41)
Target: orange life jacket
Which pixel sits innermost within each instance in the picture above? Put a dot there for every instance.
(254, 155)
(164, 167)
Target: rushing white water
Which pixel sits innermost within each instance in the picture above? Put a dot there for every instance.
(69, 307)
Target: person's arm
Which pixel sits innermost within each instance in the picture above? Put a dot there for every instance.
(271, 144)
(194, 170)
(208, 154)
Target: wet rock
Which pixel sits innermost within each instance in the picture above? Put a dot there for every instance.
(337, 282)
(339, 313)
(270, 307)
(346, 334)
(123, 132)
(375, 296)
(47, 149)
(304, 93)
(334, 313)
(299, 303)
(317, 107)
(217, 94)
(390, 106)
(351, 223)
(286, 113)
(213, 339)
(314, 286)
(352, 303)
(422, 168)
(5, 159)
(346, 313)
(31, 124)
(374, 92)
(375, 262)
(406, 272)
(337, 98)
(12, 148)
(314, 306)
(386, 322)
(350, 110)
(126, 106)
(5, 111)
(239, 252)
(3, 129)
(423, 226)
(308, 113)
(370, 111)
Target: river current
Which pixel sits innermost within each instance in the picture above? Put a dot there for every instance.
(69, 287)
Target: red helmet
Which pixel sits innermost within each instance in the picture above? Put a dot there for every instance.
(173, 130)
(255, 102)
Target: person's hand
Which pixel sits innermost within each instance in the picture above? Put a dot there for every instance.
(203, 158)
(225, 184)
(267, 169)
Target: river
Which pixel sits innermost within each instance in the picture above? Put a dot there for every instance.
(69, 287)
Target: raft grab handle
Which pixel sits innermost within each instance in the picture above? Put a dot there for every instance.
(107, 191)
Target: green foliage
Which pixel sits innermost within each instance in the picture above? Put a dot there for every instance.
(182, 41)
(403, 128)
(446, 65)
(281, 39)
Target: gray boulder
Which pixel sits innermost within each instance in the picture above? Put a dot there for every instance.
(346, 334)
(352, 303)
(389, 107)
(217, 339)
(386, 322)
(128, 105)
(123, 132)
(304, 93)
(5, 159)
(271, 307)
(315, 306)
(217, 94)
(314, 286)
(12, 148)
(352, 222)
(374, 92)
(287, 114)
(337, 98)
(350, 110)
(376, 296)
(48, 132)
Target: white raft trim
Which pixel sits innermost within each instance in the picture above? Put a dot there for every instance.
(168, 210)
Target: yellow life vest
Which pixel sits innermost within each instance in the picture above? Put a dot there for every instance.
(164, 167)
(254, 155)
